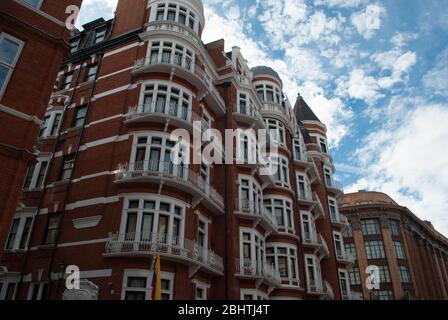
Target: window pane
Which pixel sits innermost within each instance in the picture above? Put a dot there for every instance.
(3, 75)
(33, 3)
(133, 295)
(25, 233)
(10, 291)
(13, 234)
(137, 282)
(8, 51)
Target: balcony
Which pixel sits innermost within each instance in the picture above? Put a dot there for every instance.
(247, 209)
(261, 271)
(248, 115)
(318, 243)
(320, 288)
(345, 257)
(172, 248)
(185, 68)
(272, 109)
(162, 112)
(339, 220)
(335, 187)
(178, 176)
(305, 197)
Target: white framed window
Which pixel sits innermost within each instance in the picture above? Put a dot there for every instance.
(203, 232)
(8, 287)
(250, 195)
(299, 150)
(246, 104)
(171, 53)
(276, 129)
(281, 208)
(247, 147)
(10, 49)
(282, 170)
(36, 174)
(313, 272)
(253, 294)
(100, 35)
(309, 233)
(252, 251)
(153, 219)
(163, 97)
(52, 122)
(334, 212)
(38, 291)
(328, 176)
(74, 44)
(66, 81)
(338, 244)
(354, 276)
(201, 289)
(137, 285)
(323, 145)
(20, 231)
(284, 259)
(176, 13)
(36, 4)
(303, 186)
(344, 283)
(269, 93)
(156, 153)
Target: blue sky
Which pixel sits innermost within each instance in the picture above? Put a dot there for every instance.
(375, 72)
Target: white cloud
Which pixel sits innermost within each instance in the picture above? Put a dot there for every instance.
(94, 9)
(436, 79)
(340, 3)
(407, 158)
(360, 86)
(367, 21)
(397, 62)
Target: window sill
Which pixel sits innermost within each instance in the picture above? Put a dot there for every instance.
(46, 247)
(13, 251)
(32, 190)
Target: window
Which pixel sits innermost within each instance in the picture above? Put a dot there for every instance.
(328, 177)
(338, 244)
(65, 84)
(157, 153)
(385, 295)
(100, 35)
(163, 98)
(175, 13)
(370, 227)
(308, 227)
(351, 249)
(33, 3)
(284, 259)
(246, 106)
(67, 167)
(399, 250)
(298, 151)
(334, 213)
(355, 276)
(201, 290)
(384, 274)
(252, 251)
(282, 210)
(281, 169)
(91, 72)
(250, 195)
(405, 276)
(80, 117)
(10, 291)
(38, 291)
(374, 249)
(153, 220)
(323, 145)
(167, 286)
(35, 176)
(303, 187)
(74, 45)
(51, 124)
(313, 273)
(269, 93)
(202, 233)
(394, 226)
(51, 235)
(343, 282)
(10, 48)
(276, 130)
(253, 294)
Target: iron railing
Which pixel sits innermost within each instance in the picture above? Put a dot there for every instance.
(248, 267)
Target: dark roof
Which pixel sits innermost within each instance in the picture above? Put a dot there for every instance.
(303, 112)
(93, 23)
(263, 70)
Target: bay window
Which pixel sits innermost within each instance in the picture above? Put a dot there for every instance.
(176, 13)
(284, 259)
(252, 251)
(281, 209)
(171, 53)
(164, 98)
(269, 93)
(250, 195)
(150, 220)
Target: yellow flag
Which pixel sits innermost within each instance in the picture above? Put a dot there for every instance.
(157, 281)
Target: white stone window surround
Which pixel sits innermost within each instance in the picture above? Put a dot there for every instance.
(343, 276)
(190, 13)
(255, 246)
(255, 191)
(184, 96)
(141, 273)
(156, 213)
(22, 217)
(254, 293)
(276, 129)
(299, 149)
(288, 212)
(305, 192)
(289, 257)
(175, 47)
(246, 102)
(307, 216)
(10, 65)
(51, 127)
(281, 177)
(34, 183)
(5, 281)
(319, 140)
(203, 286)
(332, 203)
(40, 287)
(316, 270)
(276, 91)
(338, 239)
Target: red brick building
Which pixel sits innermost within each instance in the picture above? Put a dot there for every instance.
(411, 255)
(112, 197)
(33, 43)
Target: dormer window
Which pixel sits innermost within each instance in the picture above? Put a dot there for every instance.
(100, 35)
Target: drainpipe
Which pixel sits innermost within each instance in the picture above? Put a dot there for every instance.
(70, 180)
